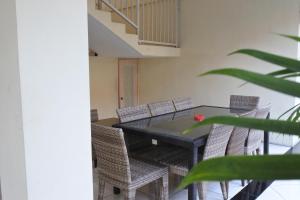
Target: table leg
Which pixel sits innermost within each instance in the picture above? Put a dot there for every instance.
(192, 189)
(266, 142)
(266, 139)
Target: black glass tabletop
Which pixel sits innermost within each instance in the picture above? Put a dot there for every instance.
(173, 124)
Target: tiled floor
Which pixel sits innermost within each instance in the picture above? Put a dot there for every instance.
(282, 190)
(287, 189)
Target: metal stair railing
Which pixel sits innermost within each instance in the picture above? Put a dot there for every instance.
(154, 21)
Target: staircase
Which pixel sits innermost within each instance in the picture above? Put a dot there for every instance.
(133, 29)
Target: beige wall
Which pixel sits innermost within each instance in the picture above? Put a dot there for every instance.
(104, 85)
(210, 29)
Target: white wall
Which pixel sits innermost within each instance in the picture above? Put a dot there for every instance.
(12, 157)
(210, 29)
(104, 85)
(51, 61)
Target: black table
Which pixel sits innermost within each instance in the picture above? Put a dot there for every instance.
(168, 128)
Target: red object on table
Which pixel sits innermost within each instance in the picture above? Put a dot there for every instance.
(199, 117)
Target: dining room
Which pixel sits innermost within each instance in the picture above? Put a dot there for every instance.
(150, 99)
(158, 99)
(154, 134)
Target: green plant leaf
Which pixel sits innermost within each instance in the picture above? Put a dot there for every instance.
(279, 126)
(295, 115)
(296, 38)
(289, 63)
(289, 110)
(277, 84)
(295, 74)
(281, 72)
(280, 167)
(256, 167)
(286, 72)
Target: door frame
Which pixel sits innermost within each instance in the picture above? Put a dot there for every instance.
(137, 78)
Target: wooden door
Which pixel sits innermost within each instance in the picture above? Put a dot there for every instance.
(128, 82)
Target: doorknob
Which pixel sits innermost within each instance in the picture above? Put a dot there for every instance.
(121, 98)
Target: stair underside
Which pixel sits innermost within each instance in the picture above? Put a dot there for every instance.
(109, 38)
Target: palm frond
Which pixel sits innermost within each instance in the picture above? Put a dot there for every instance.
(288, 63)
(279, 167)
(276, 84)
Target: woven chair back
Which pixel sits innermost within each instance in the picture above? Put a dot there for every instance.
(217, 141)
(244, 102)
(236, 144)
(133, 113)
(256, 136)
(183, 103)
(111, 152)
(161, 107)
(94, 115)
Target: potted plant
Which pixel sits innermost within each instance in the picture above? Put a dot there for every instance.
(265, 167)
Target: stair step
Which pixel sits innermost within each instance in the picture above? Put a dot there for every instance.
(105, 18)
(103, 15)
(126, 35)
(132, 38)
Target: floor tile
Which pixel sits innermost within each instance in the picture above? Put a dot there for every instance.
(213, 190)
(270, 194)
(286, 183)
(288, 191)
(278, 149)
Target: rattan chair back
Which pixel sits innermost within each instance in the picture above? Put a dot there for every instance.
(111, 153)
(244, 102)
(256, 136)
(183, 103)
(236, 144)
(94, 115)
(217, 141)
(262, 112)
(133, 113)
(161, 107)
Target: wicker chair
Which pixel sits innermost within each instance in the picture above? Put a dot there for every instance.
(117, 169)
(255, 137)
(133, 113)
(94, 118)
(94, 115)
(161, 107)
(215, 147)
(129, 114)
(244, 102)
(236, 144)
(183, 103)
(178, 159)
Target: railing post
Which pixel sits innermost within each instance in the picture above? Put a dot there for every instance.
(99, 4)
(177, 22)
(138, 18)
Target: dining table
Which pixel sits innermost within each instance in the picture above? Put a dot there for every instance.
(168, 128)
